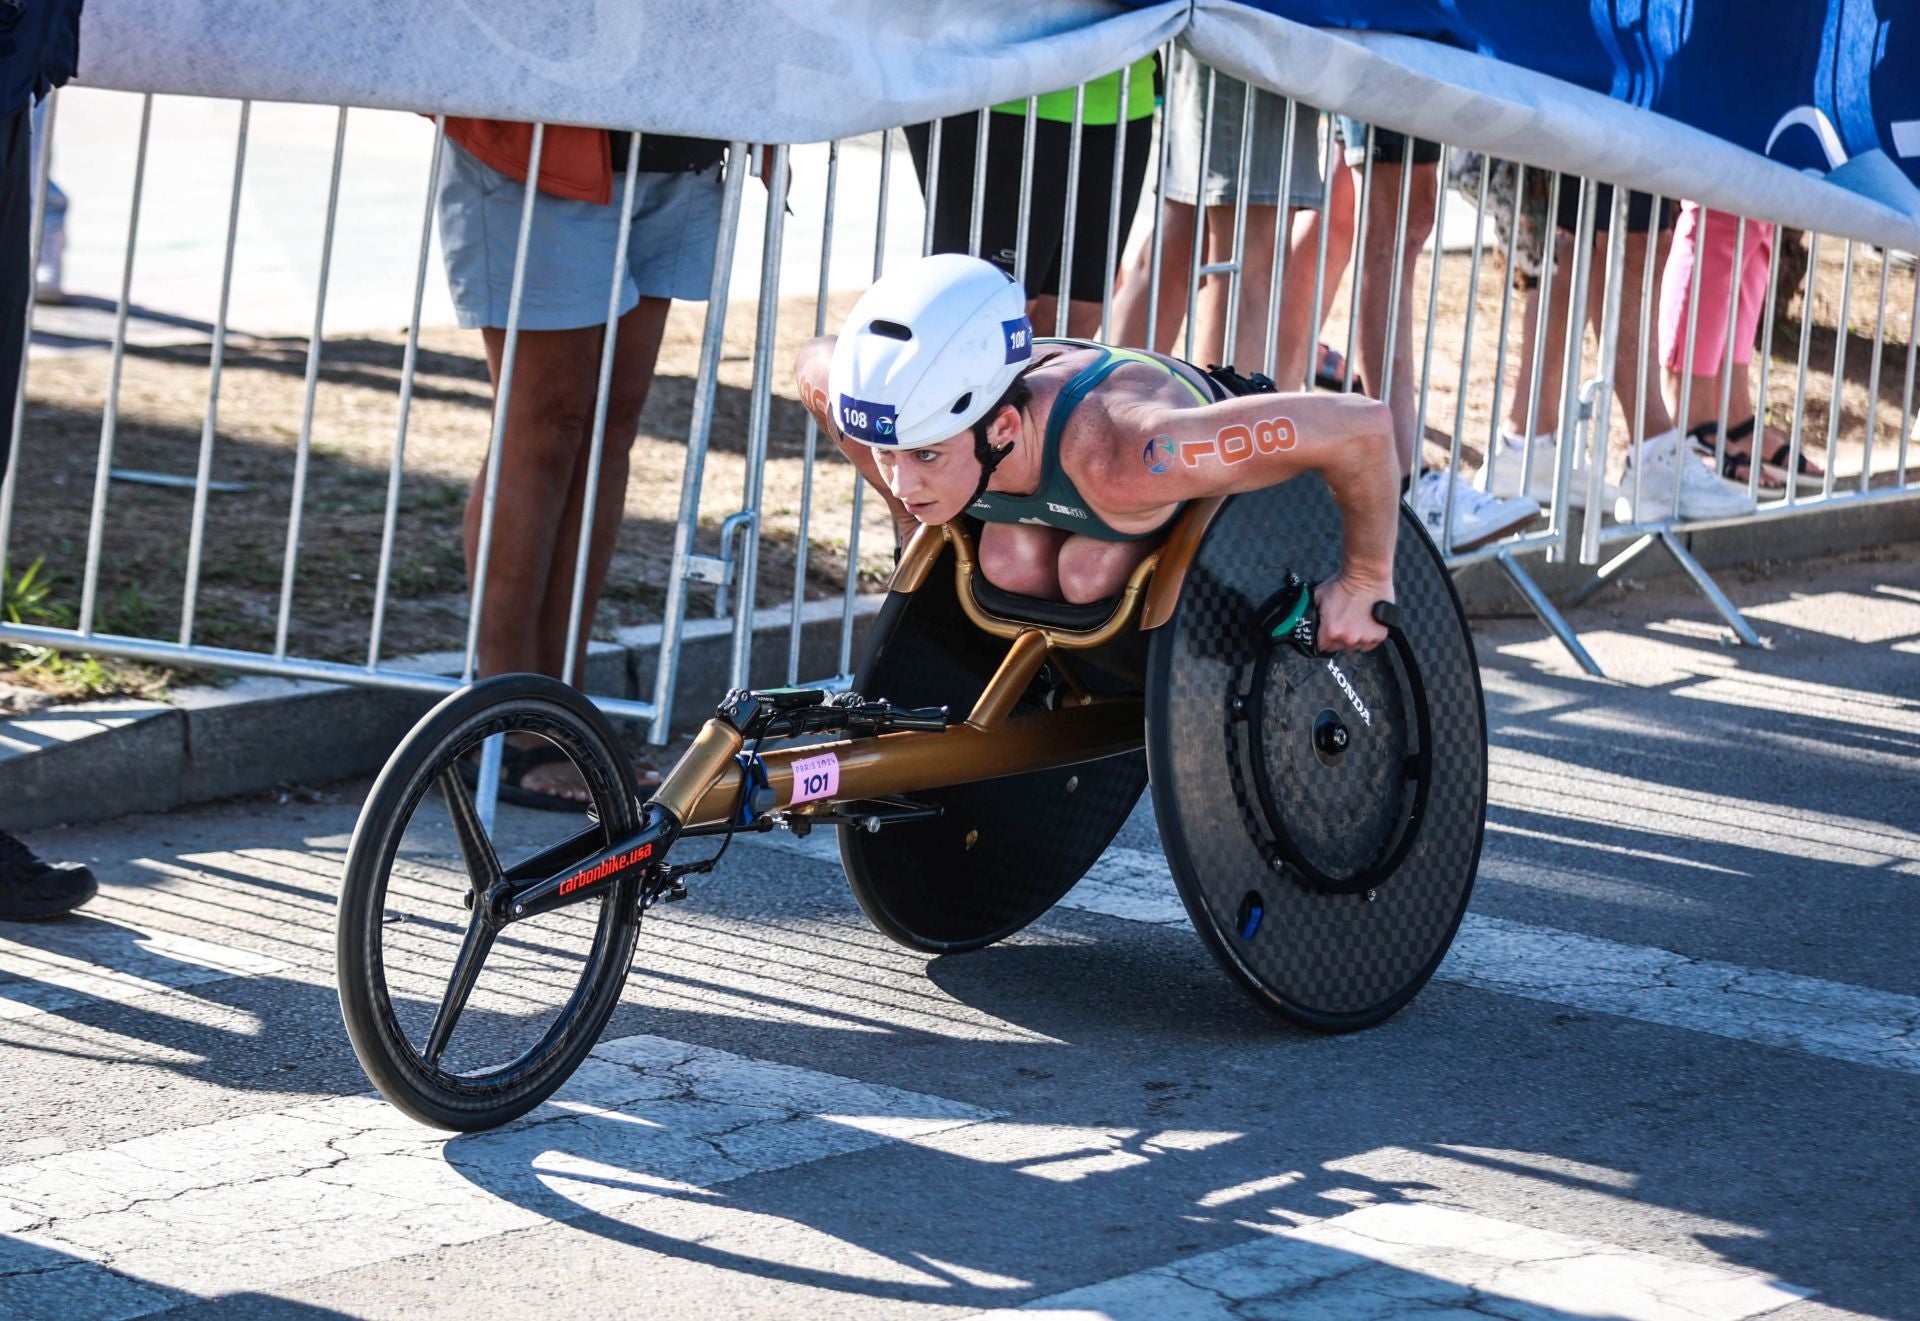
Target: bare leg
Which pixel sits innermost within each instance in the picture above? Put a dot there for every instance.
(1022, 559)
(542, 485)
(1248, 351)
(1376, 288)
(1303, 257)
(1296, 342)
(1130, 298)
(1083, 316)
(1093, 570)
(1552, 353)
(1515, 422)
(1627, 367)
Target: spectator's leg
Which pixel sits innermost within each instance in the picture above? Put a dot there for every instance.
(1704, 239)
(1627, 370)
(1552, 352)
(1248, 350)
(548, 420)
(1342, 220)
(1104, 147)
(1083, 316)
(1376, 280)
(1295, 343)
(1518, 397)
(1132, 287)
(635, 352)
(1703, 398)
(536, 511)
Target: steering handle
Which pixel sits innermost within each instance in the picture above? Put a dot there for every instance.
(1300, 625)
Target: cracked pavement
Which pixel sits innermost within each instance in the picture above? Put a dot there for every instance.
(1670, 1070)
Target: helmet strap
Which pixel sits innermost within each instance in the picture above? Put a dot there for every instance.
(990, 459)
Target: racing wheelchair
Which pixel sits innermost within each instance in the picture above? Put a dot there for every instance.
(1321, 815)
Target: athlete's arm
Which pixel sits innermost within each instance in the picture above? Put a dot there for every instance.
(1167, 454)
(810, 368)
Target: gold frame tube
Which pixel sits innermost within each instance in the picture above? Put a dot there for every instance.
(703, 789)
(909, 763)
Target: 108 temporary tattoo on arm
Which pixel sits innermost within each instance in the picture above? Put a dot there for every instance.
(1230, 445)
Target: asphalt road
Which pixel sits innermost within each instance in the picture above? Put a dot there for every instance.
(1672, 1068)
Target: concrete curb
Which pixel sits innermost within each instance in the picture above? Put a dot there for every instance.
(93, 761)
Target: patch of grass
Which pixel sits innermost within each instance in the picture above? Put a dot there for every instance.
(250, 566)
(27, 598)
(128, 612)
(32, 597)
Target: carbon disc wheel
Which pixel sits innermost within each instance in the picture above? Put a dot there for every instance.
(464, 1022)
(1322, 816)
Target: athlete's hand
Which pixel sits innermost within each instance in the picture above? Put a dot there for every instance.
(1346, 613)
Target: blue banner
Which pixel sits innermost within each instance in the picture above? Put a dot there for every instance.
(1810, 83)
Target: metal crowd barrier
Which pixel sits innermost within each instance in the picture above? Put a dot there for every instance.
(727, 558)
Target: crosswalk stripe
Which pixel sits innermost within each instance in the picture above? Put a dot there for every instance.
(1785, 1010)
(65, 968)
(1403, 1259)
(266, 1199)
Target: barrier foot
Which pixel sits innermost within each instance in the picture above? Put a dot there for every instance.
(1555, 622)
(1710, 589)
(1606, 572)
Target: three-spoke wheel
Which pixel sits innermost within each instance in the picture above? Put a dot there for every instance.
(464, 1015)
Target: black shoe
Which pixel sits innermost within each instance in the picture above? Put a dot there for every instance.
(31, 889)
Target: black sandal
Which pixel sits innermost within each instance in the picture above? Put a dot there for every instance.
(1735, 467)
(1808, 475)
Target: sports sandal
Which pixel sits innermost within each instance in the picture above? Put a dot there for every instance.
(1811, 476)
(1735, 465)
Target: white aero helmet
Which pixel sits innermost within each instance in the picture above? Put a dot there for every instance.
(928, 350)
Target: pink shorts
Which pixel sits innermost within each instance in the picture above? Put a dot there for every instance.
(1713, 242)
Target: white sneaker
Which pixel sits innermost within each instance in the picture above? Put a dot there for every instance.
(1477, 517)
(1664, 460)
(1502, 477)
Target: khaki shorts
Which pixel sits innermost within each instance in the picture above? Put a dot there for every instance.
(1186, 113)
(570, 246)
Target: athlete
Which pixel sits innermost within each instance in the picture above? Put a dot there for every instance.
(1076, 456)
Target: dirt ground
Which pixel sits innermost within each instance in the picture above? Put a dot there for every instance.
(162, 404)
(163, 400)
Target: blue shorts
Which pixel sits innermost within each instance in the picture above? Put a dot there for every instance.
(570, 246)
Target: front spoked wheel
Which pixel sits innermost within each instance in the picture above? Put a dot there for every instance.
(463, 1018)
